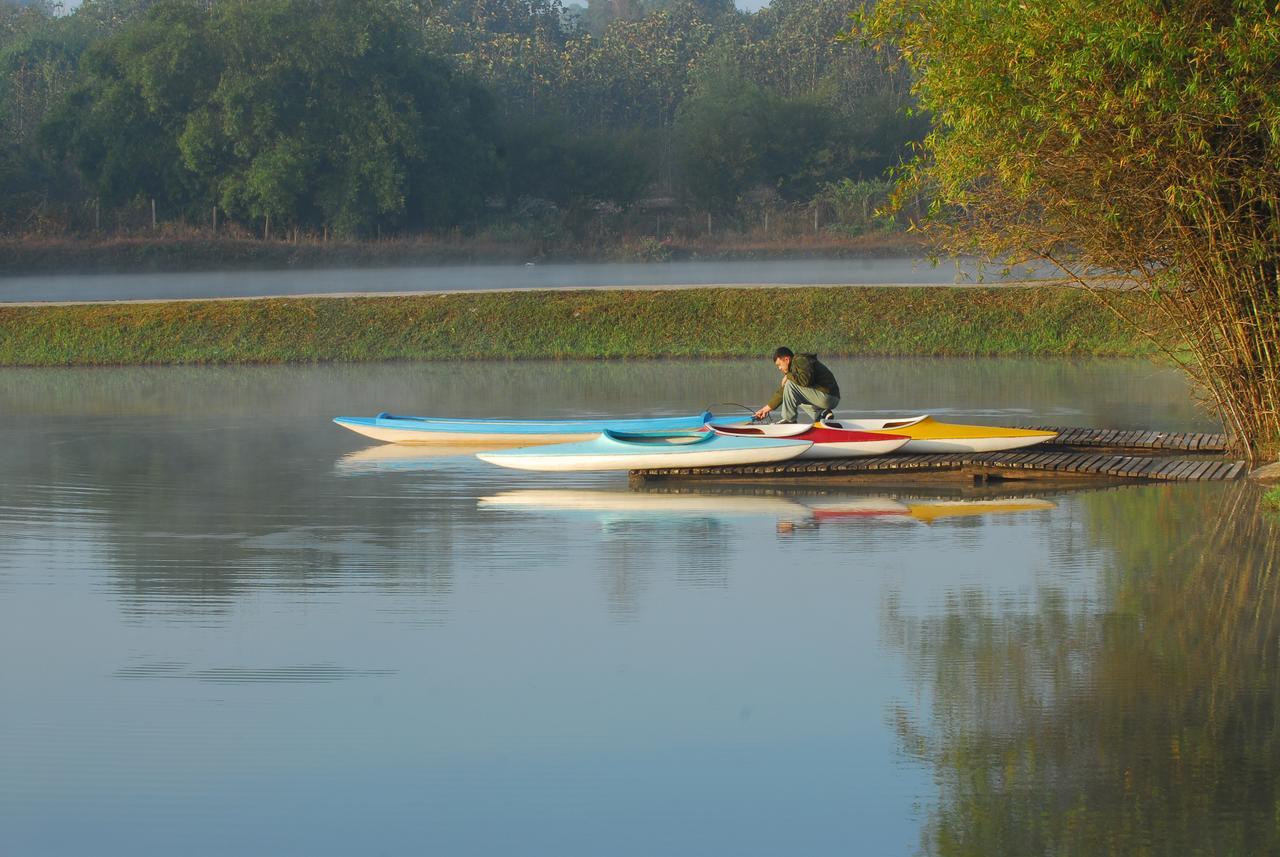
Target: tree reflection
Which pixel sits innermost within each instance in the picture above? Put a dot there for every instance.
(1143, 724)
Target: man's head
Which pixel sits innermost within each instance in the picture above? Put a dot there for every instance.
(782, 358)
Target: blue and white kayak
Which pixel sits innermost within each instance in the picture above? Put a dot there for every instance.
(614, 450)
(403, 429)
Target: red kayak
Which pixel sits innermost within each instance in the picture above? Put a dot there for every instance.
(827, 442)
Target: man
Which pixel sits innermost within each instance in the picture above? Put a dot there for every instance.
(808, 388)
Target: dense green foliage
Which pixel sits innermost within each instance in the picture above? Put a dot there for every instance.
(733, 134)
(1126, 136)
(568, 324)
(379, 116)
(308, 112)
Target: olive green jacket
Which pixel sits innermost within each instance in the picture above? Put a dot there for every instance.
(807, 371)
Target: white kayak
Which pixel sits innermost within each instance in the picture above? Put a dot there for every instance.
(928, 435)
(828, 442)
(614, 450)
(406, 429)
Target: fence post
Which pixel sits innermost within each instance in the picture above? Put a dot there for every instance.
(708, 223)
(215, 220)
(97, 214)
(153, 212)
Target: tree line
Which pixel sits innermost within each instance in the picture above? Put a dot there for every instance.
(364, 117)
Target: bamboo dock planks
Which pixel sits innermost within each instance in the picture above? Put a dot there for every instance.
(1076, 454)
(1137, 440)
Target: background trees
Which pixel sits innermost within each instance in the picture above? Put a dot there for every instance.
(365, 116)
(303, 113)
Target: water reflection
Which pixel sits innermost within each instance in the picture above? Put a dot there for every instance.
(291, 674)
(229, 624)
(792, 510)
(1143, 721)
(642, 504)
(456, 278)
(401, 458)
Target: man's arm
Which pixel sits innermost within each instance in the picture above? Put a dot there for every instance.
(773, 403)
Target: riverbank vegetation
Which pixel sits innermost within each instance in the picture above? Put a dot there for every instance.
(709, 322)
(1127, 137)
(527, 123)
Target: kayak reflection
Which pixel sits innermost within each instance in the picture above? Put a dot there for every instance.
(792, 512)
(927, 510)
(644, 503)
(400, 458)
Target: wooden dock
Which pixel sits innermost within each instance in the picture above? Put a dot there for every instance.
(1120, 439)
(1076, 456)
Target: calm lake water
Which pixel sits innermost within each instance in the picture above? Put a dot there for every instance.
(228, 626)
(464, 278)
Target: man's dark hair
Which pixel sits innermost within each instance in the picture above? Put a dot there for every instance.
(782, 351)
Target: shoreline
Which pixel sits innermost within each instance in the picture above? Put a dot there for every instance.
(622, 323)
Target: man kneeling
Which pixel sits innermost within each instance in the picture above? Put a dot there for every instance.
(808, 390)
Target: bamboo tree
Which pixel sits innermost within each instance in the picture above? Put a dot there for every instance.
(1135, 145)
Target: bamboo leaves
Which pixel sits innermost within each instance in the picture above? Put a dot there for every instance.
(1142, 139)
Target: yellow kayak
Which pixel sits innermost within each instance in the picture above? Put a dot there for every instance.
(929, 435)
(932, 510)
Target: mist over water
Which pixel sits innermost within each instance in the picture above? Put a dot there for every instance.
(231, 626)
(463, 278)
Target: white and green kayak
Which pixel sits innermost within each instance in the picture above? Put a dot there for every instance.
(615, 450)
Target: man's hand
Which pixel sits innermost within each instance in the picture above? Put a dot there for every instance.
(762, 413)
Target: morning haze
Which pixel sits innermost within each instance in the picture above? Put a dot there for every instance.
(511, 427)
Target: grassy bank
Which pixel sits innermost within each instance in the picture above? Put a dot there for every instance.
(569, 324)
(192, 251)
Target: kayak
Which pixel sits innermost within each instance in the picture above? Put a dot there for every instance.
(616, 450)
(928, 435)
(828, 442)
(404, 429)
